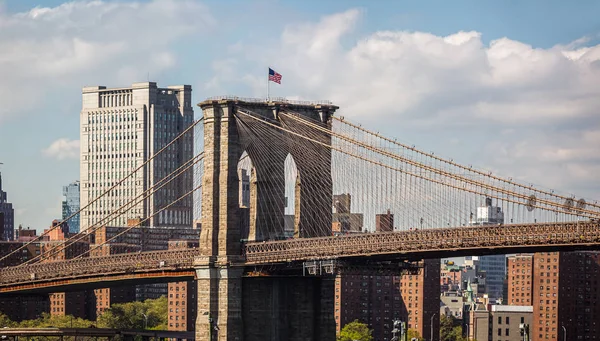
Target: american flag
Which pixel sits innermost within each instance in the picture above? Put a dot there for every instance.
(274, 76)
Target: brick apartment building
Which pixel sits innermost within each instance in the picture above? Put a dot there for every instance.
(54, 248)
(565, 294)
(519, 270)
(26, 307)
(380, 299)
(182, 296)
(106, 297)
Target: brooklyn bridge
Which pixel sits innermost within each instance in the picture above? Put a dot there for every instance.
(298, 155)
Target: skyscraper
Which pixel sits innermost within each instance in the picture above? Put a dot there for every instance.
(120, 130)
(8, 215)
(71, 205)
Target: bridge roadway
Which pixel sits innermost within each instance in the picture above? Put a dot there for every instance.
(178, 265)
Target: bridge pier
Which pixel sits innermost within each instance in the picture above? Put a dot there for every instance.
(219, 300)
(288, 308)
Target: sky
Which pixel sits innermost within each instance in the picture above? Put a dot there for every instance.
(508, 86)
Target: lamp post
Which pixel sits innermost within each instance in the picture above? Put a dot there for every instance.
(564, 332)
(145, 320)
(431, 322)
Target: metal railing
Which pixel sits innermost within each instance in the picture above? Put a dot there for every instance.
(503, 238)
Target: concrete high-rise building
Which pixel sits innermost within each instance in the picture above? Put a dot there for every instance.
(120, 130)
(494, 266)
(520, 280)
(71, 205)
(8, 216)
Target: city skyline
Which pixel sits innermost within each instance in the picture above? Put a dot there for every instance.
(525, 98)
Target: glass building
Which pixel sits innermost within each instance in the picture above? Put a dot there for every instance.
(71, 205)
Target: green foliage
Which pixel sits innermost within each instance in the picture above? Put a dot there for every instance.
(131, 315)
(450, 330)
(414, 334)
(6, 322)
(355, 330)
(119, 316)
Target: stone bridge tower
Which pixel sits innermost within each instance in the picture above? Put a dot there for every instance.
(220, 269)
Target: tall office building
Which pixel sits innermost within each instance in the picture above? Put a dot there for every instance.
(8, 216)
(71, 205)
(494, 266)
(120, 130)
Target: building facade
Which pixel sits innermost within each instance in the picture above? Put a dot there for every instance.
(7, 216)
(182, 296)
(497, 322)
(520, 280)
(379, 299)
(495, 265)
(120, 130)
(70, 206)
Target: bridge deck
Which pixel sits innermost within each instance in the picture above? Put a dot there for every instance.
(431, 243)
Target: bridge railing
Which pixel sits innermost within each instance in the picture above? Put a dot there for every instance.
(443, 239)
(92, 266)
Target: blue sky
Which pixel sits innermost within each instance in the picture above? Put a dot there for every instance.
(511, 86)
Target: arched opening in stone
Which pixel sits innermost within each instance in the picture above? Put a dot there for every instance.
(245, 172)
(292, 183)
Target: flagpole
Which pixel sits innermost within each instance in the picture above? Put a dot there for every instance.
(268, 85)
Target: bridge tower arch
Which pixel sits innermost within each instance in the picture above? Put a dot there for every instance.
(228, 132)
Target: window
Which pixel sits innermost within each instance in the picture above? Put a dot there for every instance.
(499, 322)
(507, 320)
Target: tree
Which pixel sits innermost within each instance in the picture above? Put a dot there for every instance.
(6, 322)
(414, 334)
(450, 330)
(355, 330)
(131, 315)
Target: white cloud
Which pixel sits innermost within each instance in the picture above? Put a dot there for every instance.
(80, 42)
(62, 149)
(546, 98)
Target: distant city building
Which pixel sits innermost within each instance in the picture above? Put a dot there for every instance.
(244, 187)
(56, 248)
(343, 220)
(7, 214)
(494, 266)
(496, 322)
(71, 205)
(384, 222)
(120, 130)
(19, 308)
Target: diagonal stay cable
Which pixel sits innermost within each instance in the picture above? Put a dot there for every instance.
(152, 190)
(104, 193)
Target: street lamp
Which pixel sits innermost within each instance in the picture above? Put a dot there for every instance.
(524, 328)
(431, 322)
(564, 332)
(145, 321)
